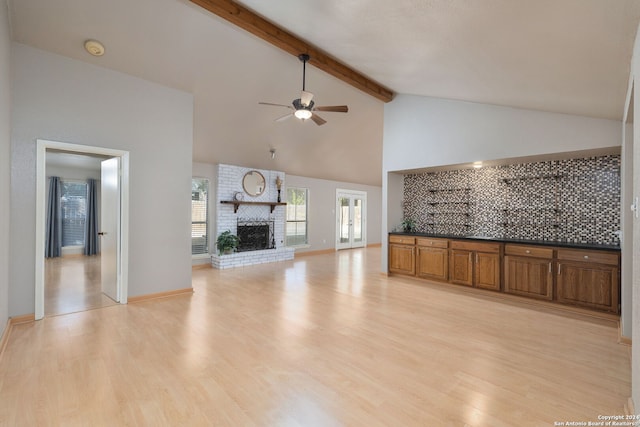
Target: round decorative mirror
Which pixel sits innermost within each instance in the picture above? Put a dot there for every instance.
(253, 183)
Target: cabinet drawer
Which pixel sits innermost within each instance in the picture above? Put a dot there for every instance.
(475, 246)
(588, 256)
(532, 251)
(433, 243)
(405, 240)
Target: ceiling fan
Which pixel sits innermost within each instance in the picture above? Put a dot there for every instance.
(304, 108)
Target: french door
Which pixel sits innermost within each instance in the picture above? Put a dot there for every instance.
(351, 212)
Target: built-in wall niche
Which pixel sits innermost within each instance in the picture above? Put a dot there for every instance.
(573, 200)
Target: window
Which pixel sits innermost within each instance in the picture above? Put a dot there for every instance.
(296, 231)
(199, 216)
(73, 205)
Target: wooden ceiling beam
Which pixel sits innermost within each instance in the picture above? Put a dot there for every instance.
(279, 37)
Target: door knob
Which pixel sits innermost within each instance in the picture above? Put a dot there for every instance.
(101, 233)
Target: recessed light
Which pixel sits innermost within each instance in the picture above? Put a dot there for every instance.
(94, 47)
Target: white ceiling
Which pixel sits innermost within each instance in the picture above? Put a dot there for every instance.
(568, 56)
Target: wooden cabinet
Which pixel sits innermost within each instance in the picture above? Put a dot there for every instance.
(461, 267)
(487, 271)
(475, 264)
(588, 279)
(402, 255)
(528, 271)
(432, 259)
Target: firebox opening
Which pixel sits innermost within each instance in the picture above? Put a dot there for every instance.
(255, 235)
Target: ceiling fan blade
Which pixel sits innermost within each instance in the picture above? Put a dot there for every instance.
(318, 120)
(275, 105)
(333, 108)
(305, 98)
(283, 118)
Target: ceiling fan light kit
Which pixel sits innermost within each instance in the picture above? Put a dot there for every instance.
(303, 114)
(304, 107)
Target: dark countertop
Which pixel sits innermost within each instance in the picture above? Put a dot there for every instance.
(550, 243)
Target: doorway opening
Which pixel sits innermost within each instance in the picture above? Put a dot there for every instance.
(351, 215)
(75, 282)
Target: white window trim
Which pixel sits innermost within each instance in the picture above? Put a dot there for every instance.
(302, 245)
(206, 255)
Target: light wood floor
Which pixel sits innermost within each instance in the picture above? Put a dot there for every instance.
(73, 283)
(321, 341)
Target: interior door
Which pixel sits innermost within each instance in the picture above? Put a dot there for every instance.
(351, 219)
(109, 226)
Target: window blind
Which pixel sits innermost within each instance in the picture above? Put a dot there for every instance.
(199, 216)
(73, 205)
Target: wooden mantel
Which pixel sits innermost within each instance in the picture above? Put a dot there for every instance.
(236, 204)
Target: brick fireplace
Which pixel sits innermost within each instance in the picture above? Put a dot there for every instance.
(260, 227)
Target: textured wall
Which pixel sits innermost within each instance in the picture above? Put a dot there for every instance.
(575, 200)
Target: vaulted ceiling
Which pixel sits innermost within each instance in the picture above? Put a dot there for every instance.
(567, 56)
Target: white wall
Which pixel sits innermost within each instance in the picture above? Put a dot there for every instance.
(322, 210)
(422, 131)
(5, 153)
(61, 99)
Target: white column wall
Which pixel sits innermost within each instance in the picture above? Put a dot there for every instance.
(60, 99)
(5, 156)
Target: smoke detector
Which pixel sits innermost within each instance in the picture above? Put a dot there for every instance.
(94, 47)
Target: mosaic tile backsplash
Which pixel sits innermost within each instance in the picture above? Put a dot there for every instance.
(575, 200)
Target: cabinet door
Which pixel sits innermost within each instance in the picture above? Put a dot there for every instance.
(402, 259)
(461, 267)
(588, 285)
(432, 263)
(487, 271)
(531, 277)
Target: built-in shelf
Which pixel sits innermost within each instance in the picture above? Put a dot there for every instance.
(509, 180)
(448, 213)
(448, 203)
(448, 223)
(236, 204)
(530, 209)
(520, 224)
(447, 190)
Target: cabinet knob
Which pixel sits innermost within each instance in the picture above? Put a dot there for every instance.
(586, 257)
(527, 251)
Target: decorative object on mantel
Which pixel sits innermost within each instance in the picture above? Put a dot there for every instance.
(278, 186)
(227, 242)
(408, 225)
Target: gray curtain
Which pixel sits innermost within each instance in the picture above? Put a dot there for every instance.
(53, 238)
(91, 222)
